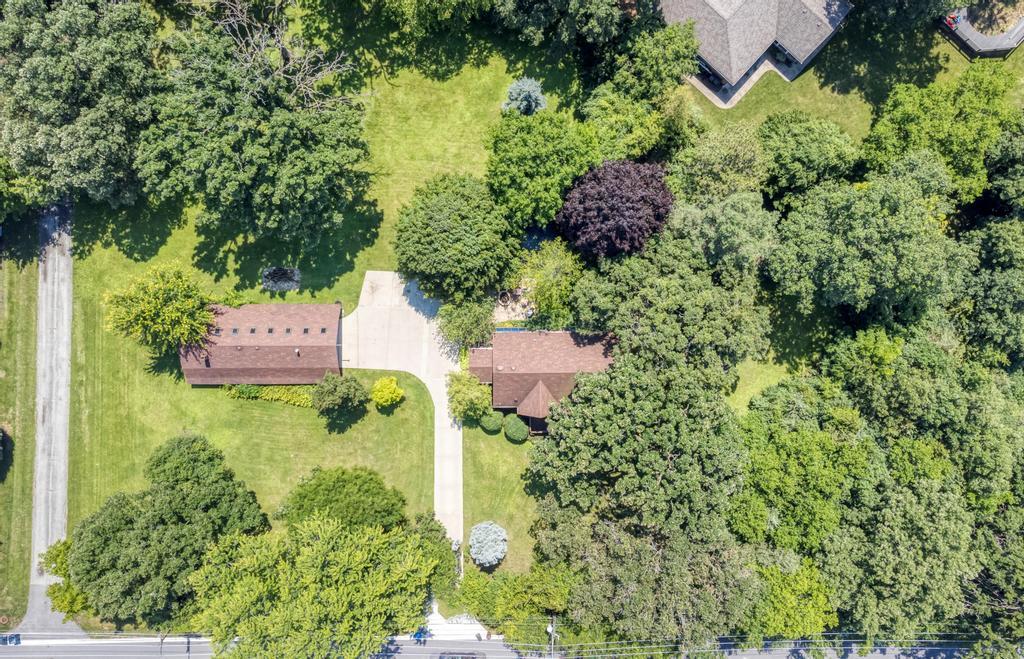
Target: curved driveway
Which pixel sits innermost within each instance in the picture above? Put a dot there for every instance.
(394, 328)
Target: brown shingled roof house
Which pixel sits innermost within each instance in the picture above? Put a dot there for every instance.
(529, 371)
(267, 344)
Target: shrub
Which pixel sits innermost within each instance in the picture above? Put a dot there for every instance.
(451, 238)
(338, 393)
(516, 429)
(615, 208)
(163, 309)
(355, 497)
(468, 399)
(488, 544)
(534, 160)
(491, 422)
(386, 392)
(299, 395)
(469, 323)
(525, 96)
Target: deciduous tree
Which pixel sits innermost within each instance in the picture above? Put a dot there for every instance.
(77, 78)
(359, 587)
(248, 130)
(615, 208)
(548, 275)
(355, 497)
(718, 163)
(133, 557)
(654, 62)
(534, 160)
(163, 309)
(452, 239)
(802, 151)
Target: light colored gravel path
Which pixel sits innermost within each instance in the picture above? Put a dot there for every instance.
(394, 328)
(53, 390)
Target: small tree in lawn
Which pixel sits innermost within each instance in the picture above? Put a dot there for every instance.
(468, 398)
(468, 323)
(615, 208)
(525, 96)
(386, 392)
(488, 544)
(339, 394)
(163, 309)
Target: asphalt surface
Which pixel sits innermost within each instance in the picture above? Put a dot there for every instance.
(394, 328)
(198, 647)
(53, 391)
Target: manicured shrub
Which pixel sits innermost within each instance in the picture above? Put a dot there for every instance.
(492, 422)
(451, 238)
(468, 399)
(615, 208)
(242, 391)
(516, 429)
(163, 309)
(468, 323)
(488, 544)
(337, 393)
(355, 497)
(525, 96)
(386, 392)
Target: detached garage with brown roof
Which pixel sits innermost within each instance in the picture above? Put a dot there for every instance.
(267, 344)
(529, 371)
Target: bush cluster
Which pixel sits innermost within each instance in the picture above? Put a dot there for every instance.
(386, 392)
(299, 395)
(339, 393)
(492, 422)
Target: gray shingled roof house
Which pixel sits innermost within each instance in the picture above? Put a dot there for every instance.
(734, 34)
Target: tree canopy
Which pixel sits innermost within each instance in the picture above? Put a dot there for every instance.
(958, 120)
(133, 557)
(802, 151)
(355, 497)
(78, 77)
(452, 239)
(615, 208)
(533, 160)
(359, 587)
(255, 140)
(718, 163)
(878, 249)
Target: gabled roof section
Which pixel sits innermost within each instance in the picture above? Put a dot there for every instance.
(537, 403)
(267, 344)
(733, 34)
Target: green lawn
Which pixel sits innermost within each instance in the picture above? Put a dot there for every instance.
(493, 490)
(18, 281)
(755, 377)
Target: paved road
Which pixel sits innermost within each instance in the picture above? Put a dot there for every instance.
(198, 647)
(53, 390)
(394, 328)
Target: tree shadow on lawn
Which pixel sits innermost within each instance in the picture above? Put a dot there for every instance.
(799, 341)
(338, 421)
(872, 53)
(378, 47)
(321, 267)
(137, 231)
(6, 454)
(166, 363)
(20, 241)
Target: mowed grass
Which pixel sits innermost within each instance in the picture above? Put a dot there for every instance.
(18, 282)
(755, 377)
(494, 490)
(123, 405)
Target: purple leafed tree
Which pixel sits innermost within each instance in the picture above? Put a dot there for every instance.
(615, 208)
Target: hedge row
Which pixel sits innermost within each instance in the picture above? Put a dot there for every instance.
(298, 395)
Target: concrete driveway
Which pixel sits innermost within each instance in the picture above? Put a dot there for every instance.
(394, 328)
